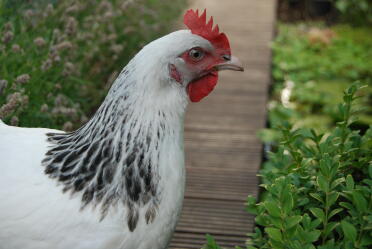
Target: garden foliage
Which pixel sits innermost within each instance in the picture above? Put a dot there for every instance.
(312, 64)
(357, 12)
(318, 189)
(58, 58)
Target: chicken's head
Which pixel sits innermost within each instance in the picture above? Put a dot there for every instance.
(185, 62)
(206, 51)
(199, 65)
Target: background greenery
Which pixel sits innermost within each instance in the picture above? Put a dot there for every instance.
(58, 58)
(357, 12)
(312, 64)
(318, 188)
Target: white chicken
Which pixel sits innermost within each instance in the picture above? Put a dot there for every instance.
(118, 181)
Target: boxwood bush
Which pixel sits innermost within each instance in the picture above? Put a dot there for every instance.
(58, 58)
(318, 188)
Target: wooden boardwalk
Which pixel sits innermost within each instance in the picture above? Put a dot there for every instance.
(223, 153)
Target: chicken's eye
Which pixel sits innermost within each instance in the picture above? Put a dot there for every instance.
(196, 54)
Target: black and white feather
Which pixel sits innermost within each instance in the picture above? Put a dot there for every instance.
(115, 183)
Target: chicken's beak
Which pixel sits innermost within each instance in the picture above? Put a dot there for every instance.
(232, 64)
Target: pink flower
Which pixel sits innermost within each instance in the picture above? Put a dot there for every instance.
(8, 36)
(24, 78)
(39, 41)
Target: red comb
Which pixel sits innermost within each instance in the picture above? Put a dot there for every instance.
(198, 26)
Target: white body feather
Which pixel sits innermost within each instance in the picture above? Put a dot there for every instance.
(36, 214)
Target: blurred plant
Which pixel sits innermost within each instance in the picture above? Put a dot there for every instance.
(319, 62)
(353, 12)
(308, 51)
(61, 55)
(358, 12)
(318, 189)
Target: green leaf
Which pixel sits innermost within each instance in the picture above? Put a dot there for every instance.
(276, 221)
(302, 201)
(292, 221)
(359, 201)
(370, 170)
(277, 244)
(287, 202)
(367, 182)
(334, 212)
(332, 198)
(290, 232)
(262, 220)
(330, 227)
(211, 243)
(324, 166)
(337, 182)
(306, 221)
(349, 230)
(349, 182)
(251, 200)
(251, 206)
(366, 240)
(274, 233)
(317, 212)
(315, 223)
(348, 245)
(272, 208)
(312, 236)
(317, 196)
(347, 205)
(251, 247)
(322, 183)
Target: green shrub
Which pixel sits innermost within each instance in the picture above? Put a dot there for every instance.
(318, 189)
(58, 58)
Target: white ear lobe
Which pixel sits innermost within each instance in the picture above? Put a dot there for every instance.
(179, 62)
(187, 75)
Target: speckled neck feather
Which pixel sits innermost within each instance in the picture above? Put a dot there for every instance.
(113, 159)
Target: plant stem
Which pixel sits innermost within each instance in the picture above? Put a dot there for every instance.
(325, 223)
(363, 223)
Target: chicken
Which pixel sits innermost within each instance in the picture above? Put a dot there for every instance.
(118, 181)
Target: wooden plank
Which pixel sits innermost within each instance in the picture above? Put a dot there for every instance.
(226, 184)
(220, 218)
(222, 140)
(210, 159)
(214, 216)
(229, 122)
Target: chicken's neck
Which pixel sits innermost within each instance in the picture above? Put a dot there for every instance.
(114, 157)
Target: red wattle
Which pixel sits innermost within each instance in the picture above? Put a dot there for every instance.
(202, 87)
